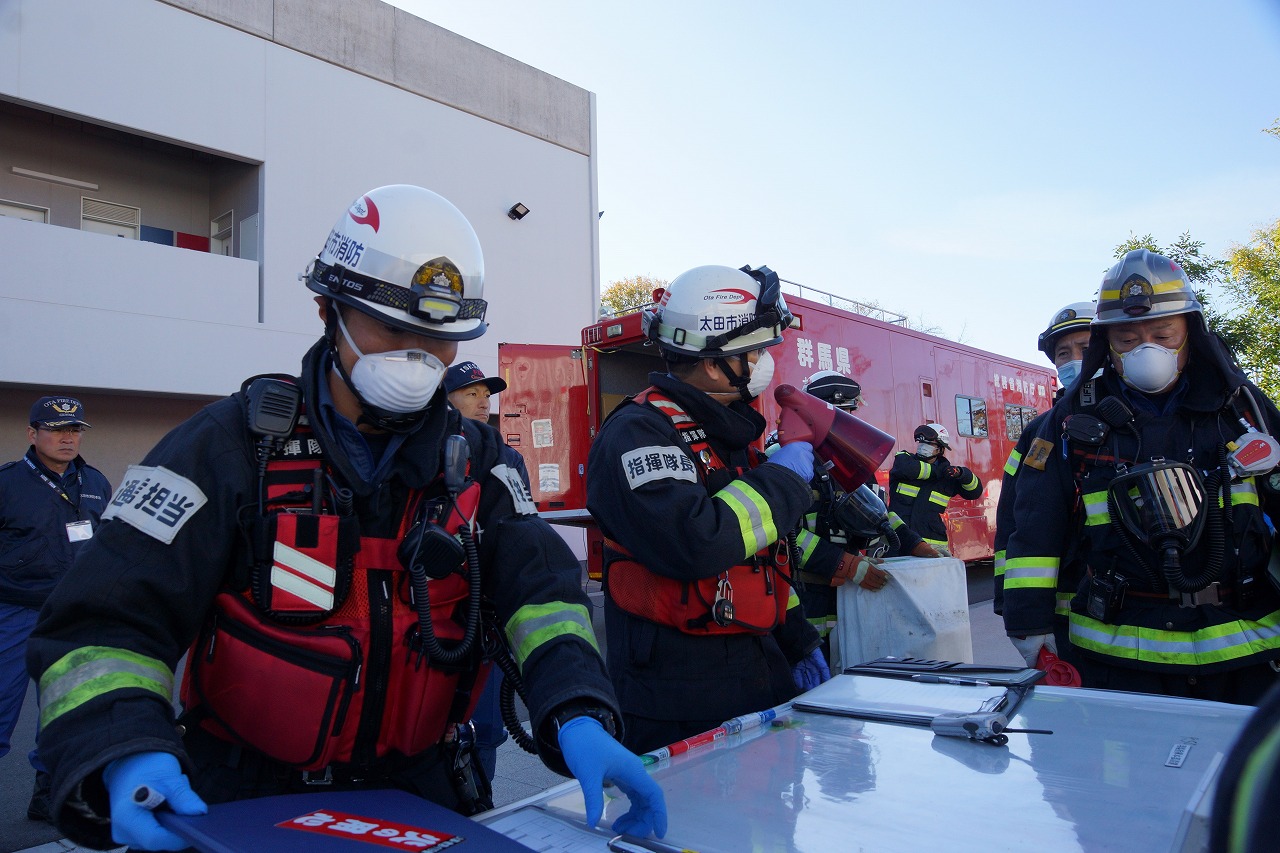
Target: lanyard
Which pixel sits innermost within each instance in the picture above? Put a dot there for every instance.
(61, 493)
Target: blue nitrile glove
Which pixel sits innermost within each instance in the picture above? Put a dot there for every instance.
(133, 823)
(811, 671)
(593, 757)
(796, 456)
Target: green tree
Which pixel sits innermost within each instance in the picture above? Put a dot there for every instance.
(628, 294)
(1253, 328)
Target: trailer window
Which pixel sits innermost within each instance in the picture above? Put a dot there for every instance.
(1016, 418)
(971, 416)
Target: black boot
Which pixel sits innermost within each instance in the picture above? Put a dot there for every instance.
(38, 808)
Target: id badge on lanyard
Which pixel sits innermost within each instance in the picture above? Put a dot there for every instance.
(79, 531)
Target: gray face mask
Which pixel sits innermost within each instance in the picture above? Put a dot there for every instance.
(1149, 367)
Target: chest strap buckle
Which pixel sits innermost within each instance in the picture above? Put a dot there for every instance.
(318, 777)
(1209, 595)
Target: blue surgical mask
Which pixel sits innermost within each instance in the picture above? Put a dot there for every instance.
(1068, 372)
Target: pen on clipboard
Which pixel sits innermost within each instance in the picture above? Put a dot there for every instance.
(946, 679)
(631, 844)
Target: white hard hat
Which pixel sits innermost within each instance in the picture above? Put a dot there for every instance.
(715, 311)
(409, 258)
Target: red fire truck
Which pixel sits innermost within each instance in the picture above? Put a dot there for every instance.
(558, 396)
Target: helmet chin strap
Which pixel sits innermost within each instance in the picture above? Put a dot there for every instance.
(376, 417)
(738, 382)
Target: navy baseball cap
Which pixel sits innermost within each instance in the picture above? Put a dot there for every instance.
(469, 373)
(54, 412)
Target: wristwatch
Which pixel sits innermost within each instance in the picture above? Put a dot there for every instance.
(571, 711)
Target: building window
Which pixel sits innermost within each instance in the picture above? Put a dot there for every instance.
(971, 416)
(29, 212)
(107, 217)
(1016, 418)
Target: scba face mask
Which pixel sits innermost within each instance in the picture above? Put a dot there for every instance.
(761, 375)
(1149, 367)
(400, 381)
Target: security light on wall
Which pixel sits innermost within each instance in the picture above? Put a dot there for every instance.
(518, 211)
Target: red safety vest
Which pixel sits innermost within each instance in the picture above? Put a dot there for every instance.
(283, 665)
(760, 590)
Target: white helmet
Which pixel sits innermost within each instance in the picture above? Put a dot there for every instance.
(935, 433)
(409, 258)
(1075, 317)
(714, 311)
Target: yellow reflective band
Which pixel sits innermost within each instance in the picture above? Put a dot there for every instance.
(1031, 573)
(755, 519)
(939, 498)
(971, 484)
(1095, 509)
(1229, 641)
(823, 624)
(793, 600)
(1250, 804)
(999, 562)
(894, 521)
(1062, 606)
(925, 471)
(1166, 287)
(535, 625)
(1243, 493)
(806, 542)
(1015, 459)
(907, 489)
(934, 542)
(92, 671)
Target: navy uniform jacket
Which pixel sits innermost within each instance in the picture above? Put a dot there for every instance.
(35, 550)
(919, 492)
(1061, 509)
(133, 603)
(674, 525)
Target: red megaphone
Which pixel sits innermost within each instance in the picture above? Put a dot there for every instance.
(1058, 672)
(854, 447)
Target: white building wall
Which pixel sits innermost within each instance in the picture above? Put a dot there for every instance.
(323, 134)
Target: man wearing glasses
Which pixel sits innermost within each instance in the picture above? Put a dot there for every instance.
(50, 503)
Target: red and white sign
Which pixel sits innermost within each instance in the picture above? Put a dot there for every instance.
(399, 836)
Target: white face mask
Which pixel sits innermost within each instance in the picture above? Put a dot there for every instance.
(761, 375)
(1068, 372)
(402, 381)
(1150, 367)
(925, 449)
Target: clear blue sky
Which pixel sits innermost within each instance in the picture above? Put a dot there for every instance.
(969, 164)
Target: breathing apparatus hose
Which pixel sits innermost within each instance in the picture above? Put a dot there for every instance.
(512, 683)
(430, 643)
(891, 536)
(1217, 523)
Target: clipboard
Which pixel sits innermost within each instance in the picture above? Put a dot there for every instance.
(1019, 677)
(335, 822)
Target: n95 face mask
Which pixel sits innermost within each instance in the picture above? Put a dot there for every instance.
(761, 375)
(400, 381)
(1149, 367)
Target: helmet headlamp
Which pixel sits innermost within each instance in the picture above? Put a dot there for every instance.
(436, 291)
